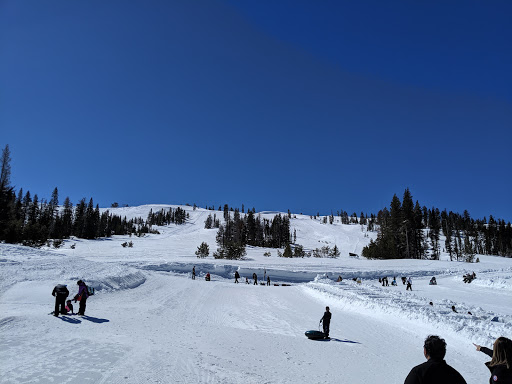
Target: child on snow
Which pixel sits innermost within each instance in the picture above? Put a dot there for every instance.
(69, 307)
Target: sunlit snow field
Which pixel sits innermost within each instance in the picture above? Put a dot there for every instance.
(149, 322)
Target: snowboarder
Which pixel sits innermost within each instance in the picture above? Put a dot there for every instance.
(326, 320)
(268, 281)
(61, 293)
(82, 295)
(433, 281)
(409, 284)
(237, 276)
(434, 370)
(194, 273)
(501, 360)
(255, 278)
(394, 281)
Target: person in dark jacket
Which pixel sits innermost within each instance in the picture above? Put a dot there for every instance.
(326, 321)
(255, 278)
(237, 276)
(501, 360)
(434, 370)
(81, 296)
(61, 293)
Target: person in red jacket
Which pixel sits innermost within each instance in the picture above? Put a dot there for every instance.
(434, 370)
(501, 360)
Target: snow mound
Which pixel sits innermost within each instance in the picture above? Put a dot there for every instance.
(405, 306)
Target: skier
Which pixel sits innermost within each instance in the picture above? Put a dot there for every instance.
(326, 320)
(237, 276)
(81, 296)
(409, 284)
(61, 293)
(434, 370)
(501, 360)
(194, 273)
(255, 278)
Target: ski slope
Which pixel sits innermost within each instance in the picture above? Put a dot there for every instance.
(149, 322)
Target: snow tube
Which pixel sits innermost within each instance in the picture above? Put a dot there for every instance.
(314, 335)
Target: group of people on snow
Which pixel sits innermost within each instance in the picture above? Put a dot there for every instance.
(469, 277)
(405, 280)
(61, 293)
(436, 371)
(237, 276)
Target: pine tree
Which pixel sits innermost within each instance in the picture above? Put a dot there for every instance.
(6, 193)
(203, 250)
(287, 251)
(335, 253)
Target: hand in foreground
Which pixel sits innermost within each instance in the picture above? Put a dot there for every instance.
(477, 346)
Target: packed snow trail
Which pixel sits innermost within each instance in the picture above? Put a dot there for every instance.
(176, 330)
(148, 322)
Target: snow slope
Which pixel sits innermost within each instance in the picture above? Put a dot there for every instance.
(149, 322)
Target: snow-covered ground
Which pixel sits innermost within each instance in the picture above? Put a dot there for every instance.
(150, 322)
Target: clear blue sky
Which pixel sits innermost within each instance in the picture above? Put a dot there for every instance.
(310, 106)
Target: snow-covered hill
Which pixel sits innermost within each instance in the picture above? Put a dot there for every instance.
(150, 322)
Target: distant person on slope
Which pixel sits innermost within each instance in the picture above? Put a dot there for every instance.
(61, 293)
(237, 276)
(326, 320)
(81, 296)
(434, 370)
(194, 273)
(501, 360)
(268, 280)
(255, 278)
(409, 284)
